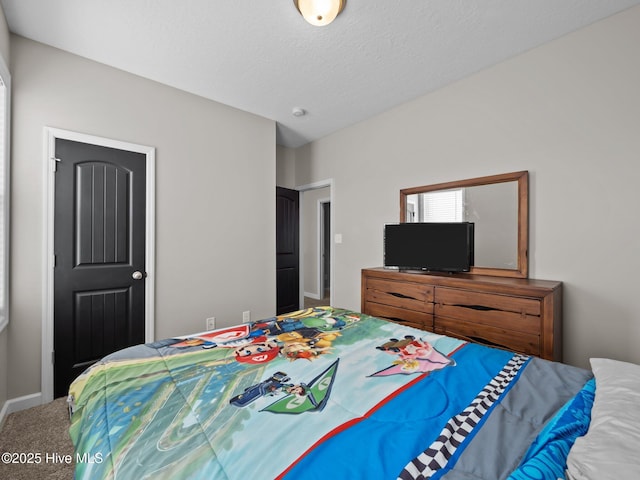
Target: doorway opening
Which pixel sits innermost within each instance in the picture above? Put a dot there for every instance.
(321, 294)
(316, 248)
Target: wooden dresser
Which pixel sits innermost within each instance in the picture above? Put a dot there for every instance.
(523, 315)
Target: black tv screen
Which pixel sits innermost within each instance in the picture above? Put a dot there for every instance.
(441, 247)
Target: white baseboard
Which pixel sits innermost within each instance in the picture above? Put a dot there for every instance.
(315, 296)
(21, 403)
(3, 414)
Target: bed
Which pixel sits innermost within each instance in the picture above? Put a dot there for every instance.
(333, 393)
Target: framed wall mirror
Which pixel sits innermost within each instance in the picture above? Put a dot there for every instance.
(499, 207)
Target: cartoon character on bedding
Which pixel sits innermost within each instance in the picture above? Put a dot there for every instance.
(274, 327)
(304, 343)
(295, 341)
(295, 398)
(311, 336)
(324, 323)
(302, 349)
(228, 337)
(273, 385)
(303, 334)
(413, 356)
(257, 353)
(394, 345)
(280, 325)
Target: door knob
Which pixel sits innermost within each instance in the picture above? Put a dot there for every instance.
(137, 275)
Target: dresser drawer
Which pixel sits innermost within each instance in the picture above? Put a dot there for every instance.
(413, 296)
(518, 314)
(497, 337)
(411, 318)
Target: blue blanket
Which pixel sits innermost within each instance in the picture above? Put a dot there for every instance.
(317, 393)
(546, 459)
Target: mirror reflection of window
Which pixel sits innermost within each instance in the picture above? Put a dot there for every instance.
(498, 205)
(438, 206)
(493, 208)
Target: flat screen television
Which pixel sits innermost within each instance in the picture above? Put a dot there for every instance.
(438, 247)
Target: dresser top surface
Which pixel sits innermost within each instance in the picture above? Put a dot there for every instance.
(459, 279)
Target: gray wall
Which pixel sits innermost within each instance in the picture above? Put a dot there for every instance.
(285, 167)
(569, 113)
(4, 354)
(215, 213)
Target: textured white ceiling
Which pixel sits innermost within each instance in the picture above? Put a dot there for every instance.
(262, 57)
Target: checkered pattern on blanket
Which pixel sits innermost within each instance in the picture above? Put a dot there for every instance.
(460, 426)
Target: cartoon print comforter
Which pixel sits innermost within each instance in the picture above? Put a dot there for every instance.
(325, 393)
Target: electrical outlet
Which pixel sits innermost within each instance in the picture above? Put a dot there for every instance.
(246, 316)
(211, 323)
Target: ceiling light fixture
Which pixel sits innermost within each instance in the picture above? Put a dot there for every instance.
(320, 12)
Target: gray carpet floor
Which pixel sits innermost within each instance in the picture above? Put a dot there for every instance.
(312, 302)
(40, 435)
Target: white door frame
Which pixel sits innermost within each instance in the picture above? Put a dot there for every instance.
(50, 136)
(306, 188)
(321, 242)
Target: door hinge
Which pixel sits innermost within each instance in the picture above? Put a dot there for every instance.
(54, 164)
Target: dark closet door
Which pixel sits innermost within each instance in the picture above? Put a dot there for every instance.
(287, 250)
(326, 248)
(99, 245)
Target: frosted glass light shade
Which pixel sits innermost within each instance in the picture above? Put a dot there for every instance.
(319, 12)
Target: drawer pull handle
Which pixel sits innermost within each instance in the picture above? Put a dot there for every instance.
(400, 295)
(484, 308)
(476, 307)
(486, 342)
